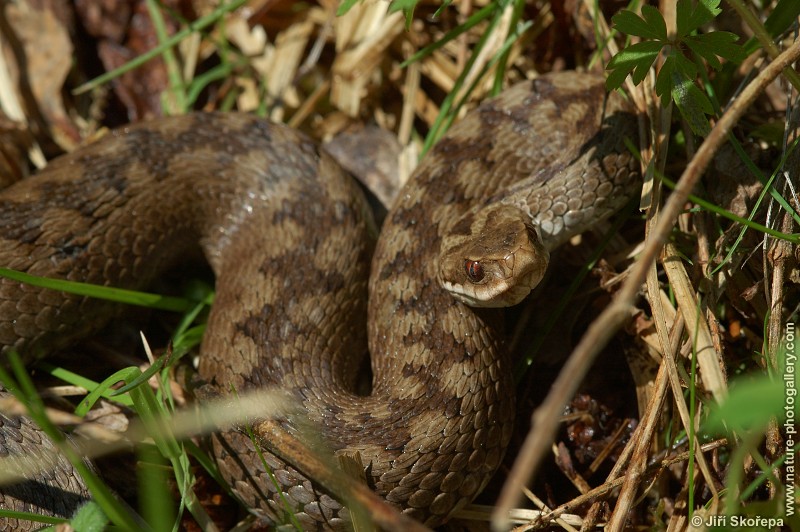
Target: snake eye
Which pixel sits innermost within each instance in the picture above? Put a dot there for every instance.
(474, 270)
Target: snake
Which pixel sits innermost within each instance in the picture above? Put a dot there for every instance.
(303, 293)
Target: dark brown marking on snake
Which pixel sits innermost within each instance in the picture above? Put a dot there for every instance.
(457, 152)
(516, 119)
(544, 89)
(256, 325)
(463, 226)
(26, 230)
(97, 168)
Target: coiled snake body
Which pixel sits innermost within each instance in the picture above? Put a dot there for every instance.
(284, 231)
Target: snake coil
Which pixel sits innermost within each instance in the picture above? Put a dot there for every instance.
(285, 232)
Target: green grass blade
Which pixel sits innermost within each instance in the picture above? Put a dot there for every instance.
(118, 295)
(198, 25)
(448, 111)
(96, 390)
(707, 205)
(36, 518)
(21, 386)
(177, 103)
(471, 22)
(143, 376)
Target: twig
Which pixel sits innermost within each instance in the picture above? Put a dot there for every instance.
(604, 490)
(290, 448)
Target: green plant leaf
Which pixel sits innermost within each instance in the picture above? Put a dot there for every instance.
(750, 405)
(704, 52)
(685, 67)
(652, 26)
(90, 518)
(683, 17)
(615, 79)
(783, 15)
(717, 43)
(693, 105)
(637, 57)
(689, 18)
(664, 80)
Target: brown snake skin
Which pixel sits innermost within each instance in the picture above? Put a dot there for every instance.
(285, 233)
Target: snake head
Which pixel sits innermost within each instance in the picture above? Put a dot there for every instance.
(492, 257)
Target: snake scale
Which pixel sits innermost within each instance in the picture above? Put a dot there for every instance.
(285, 232)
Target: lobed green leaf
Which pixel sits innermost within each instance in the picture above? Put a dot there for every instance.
(664, 80)
(685, 66)
(703, 51)
(689, 19)
(652, 26)
(717, 43)
(616, 78)
(636, 58)
(692, 103)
